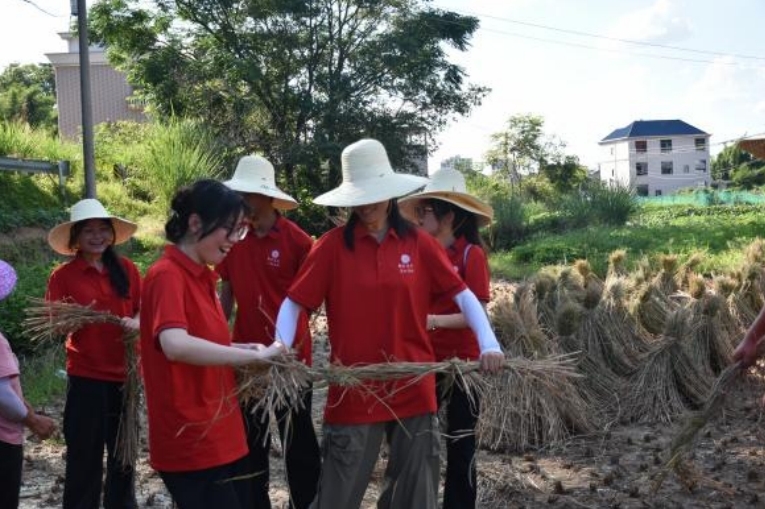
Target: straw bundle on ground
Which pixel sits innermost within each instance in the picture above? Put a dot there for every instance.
(725, 287)
(617, 323)
(516, 324)
(667, 381)
(666, 280)
(651, 307)
(616, 267)
(552, 287)
(48, 320)
(748, 298)
(599, 387)
(709, 344)
(688, 270)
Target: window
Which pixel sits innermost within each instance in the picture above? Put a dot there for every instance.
(701, 165)
(686, 168)
(613, 172)
(641, 168)
(666, 146)
(666, 167)
(701, 143)
(657, 192)
(641, 146)
(641, 190)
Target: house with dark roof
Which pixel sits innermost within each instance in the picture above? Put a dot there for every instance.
(656, 157)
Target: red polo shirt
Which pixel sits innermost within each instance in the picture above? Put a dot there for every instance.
(95, 351)
(377, 299)
(471, 265)
(260, 270)
(194, 417)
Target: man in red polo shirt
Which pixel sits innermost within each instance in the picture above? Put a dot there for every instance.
(256, 274)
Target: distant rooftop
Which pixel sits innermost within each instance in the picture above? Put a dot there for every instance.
(653, 128)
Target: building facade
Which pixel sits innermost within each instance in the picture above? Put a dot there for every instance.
(656, 157)
(109, 89)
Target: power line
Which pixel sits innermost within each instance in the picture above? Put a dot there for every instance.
(33, 4)
(609, 38)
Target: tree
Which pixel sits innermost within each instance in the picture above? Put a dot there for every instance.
(565, 175)
(28, 94)
(733, 163)
(522, 148)
(297, 80)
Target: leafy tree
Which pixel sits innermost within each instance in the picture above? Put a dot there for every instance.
(297, 80)
(28, 95)
(733, 163)
(565, 175)
(522, 148)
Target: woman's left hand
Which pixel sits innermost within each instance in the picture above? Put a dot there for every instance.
(492, 362)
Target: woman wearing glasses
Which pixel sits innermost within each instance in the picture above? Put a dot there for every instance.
(197, 441)
(446, 211)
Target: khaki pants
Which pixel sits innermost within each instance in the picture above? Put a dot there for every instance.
(351, 451)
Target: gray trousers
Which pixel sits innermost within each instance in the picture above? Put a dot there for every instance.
(350, 452)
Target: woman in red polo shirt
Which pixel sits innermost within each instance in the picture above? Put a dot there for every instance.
(377, 277)
(95, 354)
(196, 433)
(452, 216)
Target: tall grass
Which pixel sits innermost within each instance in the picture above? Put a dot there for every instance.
(178, 153)
(42, 376)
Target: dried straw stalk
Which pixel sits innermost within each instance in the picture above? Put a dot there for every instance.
(48, 320)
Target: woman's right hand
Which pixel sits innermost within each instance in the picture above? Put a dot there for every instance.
(747, 352)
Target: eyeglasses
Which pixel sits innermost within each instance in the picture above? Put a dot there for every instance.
(421, 212)
(237, 232)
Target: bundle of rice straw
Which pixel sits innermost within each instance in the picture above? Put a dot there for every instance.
(599, 387)
(667, 382)
(651, 307)
(616, 266)
(725, 287)
(516, 324)
(47, 320)
(748, 297)
(617, 324)
(666, 280)
(590, 280)
(688, 270)
(710, 347)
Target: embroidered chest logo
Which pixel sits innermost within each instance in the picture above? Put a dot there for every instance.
(273, 258)
(405, 265)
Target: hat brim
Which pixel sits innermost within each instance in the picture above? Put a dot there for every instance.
(467, 202)
(58, 237)
(282, 200)
(373, 190)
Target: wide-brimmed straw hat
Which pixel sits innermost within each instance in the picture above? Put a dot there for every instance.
(7, 279)
(368, 178)
(255, 174)
(89, 208)
(448, 184)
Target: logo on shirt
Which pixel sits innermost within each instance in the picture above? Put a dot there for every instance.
(456, 269)
(405, 265)
(273, 258)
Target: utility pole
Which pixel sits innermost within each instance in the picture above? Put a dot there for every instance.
(80, 9)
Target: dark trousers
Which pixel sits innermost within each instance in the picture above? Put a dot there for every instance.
(91, 419)
(11, 460)
(301, 450)
(211, 488)
(461, 419)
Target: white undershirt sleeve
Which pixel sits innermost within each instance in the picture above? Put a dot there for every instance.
(476, 318)
(286, 322)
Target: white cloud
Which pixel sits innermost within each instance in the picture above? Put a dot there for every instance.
(721, 81)
(659, 23)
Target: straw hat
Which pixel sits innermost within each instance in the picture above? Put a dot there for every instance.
(254, 174)
(448, 184)
(368, 178)
(7, 279)
(89, 208)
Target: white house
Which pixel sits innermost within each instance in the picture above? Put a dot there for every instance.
(656, 157)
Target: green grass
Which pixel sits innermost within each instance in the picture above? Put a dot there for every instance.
(42, 375)
(720, 232)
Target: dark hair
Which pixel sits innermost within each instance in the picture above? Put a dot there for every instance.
(465, 223)
(118, 276)
(216, 205)
(396, 221)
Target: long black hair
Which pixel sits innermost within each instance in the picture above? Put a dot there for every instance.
(396, 221)
(216, 205)
(465, 223)
(118, 276)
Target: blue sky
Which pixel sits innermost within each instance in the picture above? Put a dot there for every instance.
(584, 87)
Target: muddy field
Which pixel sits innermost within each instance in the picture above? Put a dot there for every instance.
(615, 468)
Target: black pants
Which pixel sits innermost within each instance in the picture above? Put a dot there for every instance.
(91, 419)
(461, 419)
(11, 460)
(303, 458)
(211, 488)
